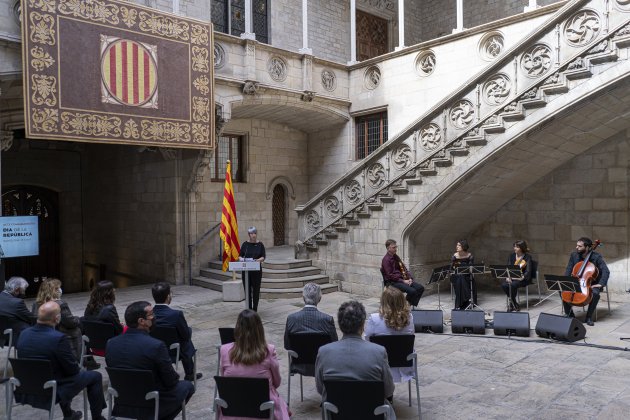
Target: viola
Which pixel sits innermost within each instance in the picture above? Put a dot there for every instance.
(586, 272)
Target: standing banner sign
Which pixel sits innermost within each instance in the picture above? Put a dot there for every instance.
(19, 236)
(108, 71)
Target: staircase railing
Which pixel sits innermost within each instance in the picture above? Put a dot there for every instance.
(497, 94)
(191, 249)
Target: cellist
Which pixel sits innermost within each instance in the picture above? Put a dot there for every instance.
(582, 248)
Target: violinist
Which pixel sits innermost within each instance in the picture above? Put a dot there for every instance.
(397, 275)
(521, 258)
(582, 249)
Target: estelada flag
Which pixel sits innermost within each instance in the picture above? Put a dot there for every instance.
(229, 224)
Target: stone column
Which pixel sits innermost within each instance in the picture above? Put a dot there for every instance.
(531, 6)
(249, 23)
(353, 32)
(401, 25)
(305, 49)
(460, 16)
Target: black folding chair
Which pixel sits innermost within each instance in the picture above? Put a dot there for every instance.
(302, 355)
(400, 353)
(96, 334)
(132, 389)
(6, 341)
(352, 400)
(168, 335)
(231, 401)
(33, 380)
(226, 335)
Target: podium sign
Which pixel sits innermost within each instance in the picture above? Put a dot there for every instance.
(244, 266)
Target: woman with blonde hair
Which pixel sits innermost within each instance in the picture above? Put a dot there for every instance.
(393, 318)
(250, 356)
(50, 290)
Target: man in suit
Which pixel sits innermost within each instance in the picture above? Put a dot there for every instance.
(42, 341)
(352, 358)
(13, 312)
(136, 349)
(165, 316)
(309, 320)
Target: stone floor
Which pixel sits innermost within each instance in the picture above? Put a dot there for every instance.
(462, 376)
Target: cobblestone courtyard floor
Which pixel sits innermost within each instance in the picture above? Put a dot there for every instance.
(462, 377)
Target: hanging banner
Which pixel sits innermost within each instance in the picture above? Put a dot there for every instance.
(107, 71)
(19, 236)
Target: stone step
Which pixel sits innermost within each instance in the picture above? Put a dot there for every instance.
(299, 282)
(293, 292)
(272, 264)
(273, 292)
(268, 273)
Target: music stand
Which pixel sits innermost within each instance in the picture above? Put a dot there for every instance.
(507, 273)
(471, 270)
(562, 284)
(439, 274)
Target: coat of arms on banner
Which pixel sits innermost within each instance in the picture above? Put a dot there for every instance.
(110, 71)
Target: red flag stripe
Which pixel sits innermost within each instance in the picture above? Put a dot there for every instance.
(136, 98)
(112, 69)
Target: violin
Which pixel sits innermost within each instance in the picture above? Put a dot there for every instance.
(586, 272)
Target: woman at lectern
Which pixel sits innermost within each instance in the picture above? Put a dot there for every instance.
(462, 282)
(520, 258)
(253, 250)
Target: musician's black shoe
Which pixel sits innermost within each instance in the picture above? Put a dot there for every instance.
(589, 322)
(571, 314)
(517, 307)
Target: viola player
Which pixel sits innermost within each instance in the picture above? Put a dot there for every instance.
(396, 274)
(582, 248)
(521, 258)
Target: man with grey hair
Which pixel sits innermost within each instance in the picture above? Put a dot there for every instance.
(309, 320)
(13, 312)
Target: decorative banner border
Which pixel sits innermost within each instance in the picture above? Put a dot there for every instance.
(108, 71)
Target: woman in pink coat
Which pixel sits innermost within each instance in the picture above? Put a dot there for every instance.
(251, 356)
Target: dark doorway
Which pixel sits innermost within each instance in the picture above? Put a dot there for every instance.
(28, 200)
(371, 36)
(278, 214)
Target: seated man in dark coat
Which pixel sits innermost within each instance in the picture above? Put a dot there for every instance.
(309, 320)
(165, 316)
(42, 341)
(13, 312)
(136, 349)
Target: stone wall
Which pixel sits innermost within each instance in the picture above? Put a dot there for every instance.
(588, 196)
(132, 215)
(271, 151)
(39, 164)
(330, 154)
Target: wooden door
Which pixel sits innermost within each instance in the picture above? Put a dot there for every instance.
(34, 201)
(371, 36)
(278, 214)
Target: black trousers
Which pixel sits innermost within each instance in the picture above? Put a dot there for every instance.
(514, 288)
(414, 291)
(255, 278)
(591, 306)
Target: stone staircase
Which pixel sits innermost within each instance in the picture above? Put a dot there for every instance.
(283, 275)
(398, 170)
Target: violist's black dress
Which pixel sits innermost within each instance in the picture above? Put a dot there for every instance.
(461, 282)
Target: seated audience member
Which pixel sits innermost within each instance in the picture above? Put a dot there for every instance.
(50, 290)
(393, 318)
(250, 356)
(352, 358)
(136, 349)
(165, 316)
(42, 341)
(101, 308)
(12, 307)
(309, 320)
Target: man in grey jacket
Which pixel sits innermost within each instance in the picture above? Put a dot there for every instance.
(352, 358)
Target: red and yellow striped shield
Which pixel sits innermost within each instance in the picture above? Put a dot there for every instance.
(129, 72)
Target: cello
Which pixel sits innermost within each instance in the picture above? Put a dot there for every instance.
(586, 272)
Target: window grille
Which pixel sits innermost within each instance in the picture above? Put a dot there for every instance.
(371, 133)
(229, 147)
